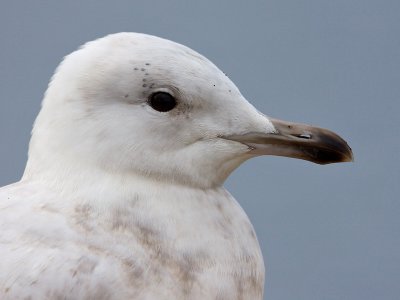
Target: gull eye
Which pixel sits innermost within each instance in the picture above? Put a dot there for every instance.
(162, 101)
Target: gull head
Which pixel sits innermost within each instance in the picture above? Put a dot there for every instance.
(137, 104)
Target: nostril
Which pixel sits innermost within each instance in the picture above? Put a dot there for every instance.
(306, 136)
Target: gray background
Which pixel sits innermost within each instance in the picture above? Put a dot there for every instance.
(328, 232)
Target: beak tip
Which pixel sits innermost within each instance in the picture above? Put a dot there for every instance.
(348, 153)
(350, 157)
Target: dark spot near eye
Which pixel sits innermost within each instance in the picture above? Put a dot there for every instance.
(144, 85)
(147, 64)
(126, 96)
(151, 85)
(229, 91)
(144, 79)
(213, 84)
(146, 74)
(289, 126)
(142, 69)
(136, 69)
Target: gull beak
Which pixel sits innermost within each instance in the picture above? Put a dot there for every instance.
(300, 141)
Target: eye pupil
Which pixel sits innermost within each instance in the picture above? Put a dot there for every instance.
(162, 101)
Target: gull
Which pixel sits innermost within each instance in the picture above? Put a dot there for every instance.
(122, 196)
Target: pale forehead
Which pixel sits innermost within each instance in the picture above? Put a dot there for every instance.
(145, 50)
(148, 46)
(153, 61)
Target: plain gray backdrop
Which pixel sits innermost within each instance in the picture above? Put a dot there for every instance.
(327, 232)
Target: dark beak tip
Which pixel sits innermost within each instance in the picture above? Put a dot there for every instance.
(348, 153)
(327, 150)
(350, 157)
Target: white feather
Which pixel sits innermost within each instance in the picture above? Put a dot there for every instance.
(119, 201)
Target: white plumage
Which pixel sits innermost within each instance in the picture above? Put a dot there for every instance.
(121, 201)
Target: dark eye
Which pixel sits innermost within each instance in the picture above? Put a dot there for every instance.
(162, 101)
